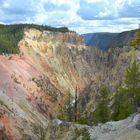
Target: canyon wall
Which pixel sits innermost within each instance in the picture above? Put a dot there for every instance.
(35, 84)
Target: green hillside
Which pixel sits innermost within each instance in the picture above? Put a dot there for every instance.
(10, 35)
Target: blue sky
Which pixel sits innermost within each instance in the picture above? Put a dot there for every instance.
(83, 16)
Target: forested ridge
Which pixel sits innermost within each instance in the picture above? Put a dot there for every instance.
(104, 41)
(10, 35)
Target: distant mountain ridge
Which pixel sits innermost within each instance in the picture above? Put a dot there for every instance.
(106, 40)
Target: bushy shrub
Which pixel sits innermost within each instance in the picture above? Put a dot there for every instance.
(84, 133)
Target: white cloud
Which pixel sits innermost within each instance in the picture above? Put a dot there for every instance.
(116, 25)
(104, 15)
(97, 1)
(5, 4)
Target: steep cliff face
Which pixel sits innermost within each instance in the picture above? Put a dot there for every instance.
(36, 83)
(55, 54)
(115, 63)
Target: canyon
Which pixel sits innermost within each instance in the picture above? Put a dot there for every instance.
(35, 84)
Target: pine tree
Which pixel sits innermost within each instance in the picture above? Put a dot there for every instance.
(76, 104)
(67, 113)
(70, 109)
(132, 84)
(127, 99)
(136, 42)
(122, 105)
(102, 112)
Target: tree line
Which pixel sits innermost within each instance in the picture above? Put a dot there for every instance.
(10, 35)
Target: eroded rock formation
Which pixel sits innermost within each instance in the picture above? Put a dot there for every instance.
(35, 83)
